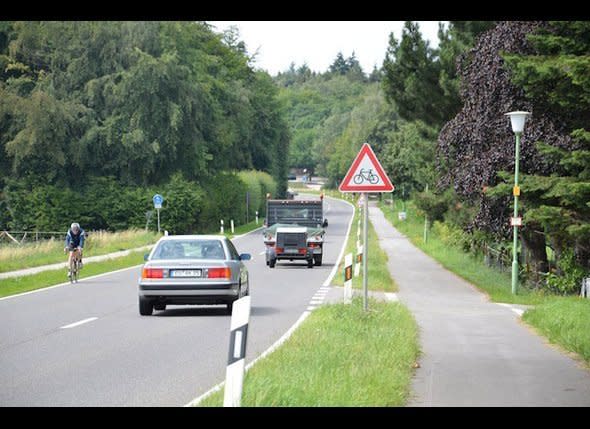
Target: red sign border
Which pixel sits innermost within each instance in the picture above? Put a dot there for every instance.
(345, 185)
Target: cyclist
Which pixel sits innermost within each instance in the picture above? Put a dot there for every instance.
(74, 243)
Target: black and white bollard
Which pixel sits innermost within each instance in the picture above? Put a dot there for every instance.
(234, 374)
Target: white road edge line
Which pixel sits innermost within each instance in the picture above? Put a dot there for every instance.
(81, 322)
(287, 334)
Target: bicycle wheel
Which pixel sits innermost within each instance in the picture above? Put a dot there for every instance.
(373, 179)
(76, 271)
(358, 179)
(72, 270)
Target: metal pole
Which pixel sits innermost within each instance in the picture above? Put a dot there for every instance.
(365, 249)
(158, 210)
(515, 231)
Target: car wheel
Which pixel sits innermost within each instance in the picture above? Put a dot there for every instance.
(146, 307)
(229, 307)
(318, 260)
(159, 307)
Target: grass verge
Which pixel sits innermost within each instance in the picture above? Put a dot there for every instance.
(14, 257)
(379, 277)
(16, 285)
(339, 356)
(564, 321)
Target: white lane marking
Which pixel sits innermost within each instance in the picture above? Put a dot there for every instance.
(518, 311)
(68, 283)
(391, 296)
(81, 322)
(263, 252)
(287, 334)
(311, 307)
(271, 349)
(316, 301)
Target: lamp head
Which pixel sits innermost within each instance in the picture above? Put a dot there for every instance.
(517, 120)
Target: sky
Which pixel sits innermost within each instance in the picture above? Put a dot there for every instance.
(318, 42)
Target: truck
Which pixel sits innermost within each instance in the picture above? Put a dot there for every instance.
(294, 230)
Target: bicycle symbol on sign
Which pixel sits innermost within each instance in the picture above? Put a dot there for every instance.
(365, 175)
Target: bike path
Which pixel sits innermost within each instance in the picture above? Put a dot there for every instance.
(474, 352)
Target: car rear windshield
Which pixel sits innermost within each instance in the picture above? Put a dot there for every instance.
(189, 249)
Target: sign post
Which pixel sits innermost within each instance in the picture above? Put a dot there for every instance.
(158, 200)
(366, 175)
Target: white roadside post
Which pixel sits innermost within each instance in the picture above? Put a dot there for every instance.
(234, 373)
(232, 225)
(256, 217)
(348, 278)
(221, 230)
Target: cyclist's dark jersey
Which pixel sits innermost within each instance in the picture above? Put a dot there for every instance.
(75, 240)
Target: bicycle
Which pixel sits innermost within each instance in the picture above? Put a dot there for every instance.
(74, 267)
(365, 175)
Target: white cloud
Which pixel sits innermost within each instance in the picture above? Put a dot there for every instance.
(318, 42)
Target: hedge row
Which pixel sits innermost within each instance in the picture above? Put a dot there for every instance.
(102, 203)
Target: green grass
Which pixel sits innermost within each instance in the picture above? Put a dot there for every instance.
(28, 255)
(379, 277)
(564, 321)
(16, 285)
(340, 356)
(495, 283)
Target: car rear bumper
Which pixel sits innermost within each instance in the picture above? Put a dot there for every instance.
(229, 290)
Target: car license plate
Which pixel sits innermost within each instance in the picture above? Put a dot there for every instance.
(291, 251)
(185, 273)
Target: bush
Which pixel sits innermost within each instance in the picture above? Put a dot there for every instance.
(568, 278)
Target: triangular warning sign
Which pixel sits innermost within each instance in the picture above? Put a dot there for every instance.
(366, 174)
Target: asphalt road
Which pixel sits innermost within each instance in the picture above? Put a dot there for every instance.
(87, 345)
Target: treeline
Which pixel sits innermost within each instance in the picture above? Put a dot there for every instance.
(436, 121)
(129, 108)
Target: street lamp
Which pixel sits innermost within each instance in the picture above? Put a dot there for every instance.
(517, 120)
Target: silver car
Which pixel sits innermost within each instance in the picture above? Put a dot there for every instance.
(192, 269)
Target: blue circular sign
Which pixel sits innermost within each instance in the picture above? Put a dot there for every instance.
(158, 200)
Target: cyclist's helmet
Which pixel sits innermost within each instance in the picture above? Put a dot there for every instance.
(75, 226)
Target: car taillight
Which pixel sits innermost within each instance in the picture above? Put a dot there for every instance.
(219, 273)
(152, 273)
(279, 250)
(303, 251)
